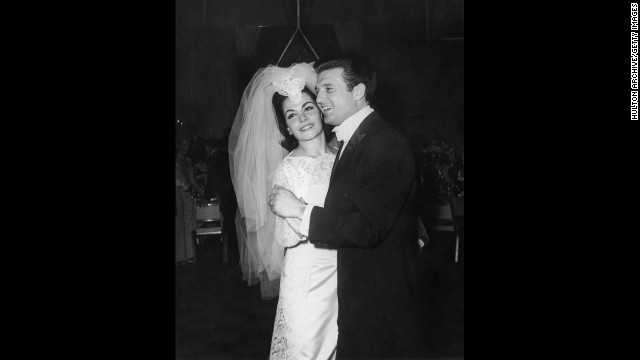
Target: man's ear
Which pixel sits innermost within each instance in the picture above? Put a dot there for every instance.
(359, 91)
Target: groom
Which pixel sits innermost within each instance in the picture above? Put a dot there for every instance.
(366, 216)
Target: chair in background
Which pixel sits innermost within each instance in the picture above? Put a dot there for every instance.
(209, 221)
(457, 208)
(447, 220)
(423, 236)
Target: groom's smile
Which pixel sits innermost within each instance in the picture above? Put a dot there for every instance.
(336, 102)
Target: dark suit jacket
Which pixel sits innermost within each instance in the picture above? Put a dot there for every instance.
(368, 217)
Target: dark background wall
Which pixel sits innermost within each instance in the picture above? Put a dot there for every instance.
(417, 46)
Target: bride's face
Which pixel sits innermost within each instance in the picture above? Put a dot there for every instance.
(303, 117)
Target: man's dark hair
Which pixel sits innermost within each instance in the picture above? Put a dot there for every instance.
(357, 70)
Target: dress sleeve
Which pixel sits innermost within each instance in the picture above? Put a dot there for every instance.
(283, 233)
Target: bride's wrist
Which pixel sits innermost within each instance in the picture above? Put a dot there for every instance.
(302, 208)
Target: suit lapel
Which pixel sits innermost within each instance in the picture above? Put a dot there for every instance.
(351, 146)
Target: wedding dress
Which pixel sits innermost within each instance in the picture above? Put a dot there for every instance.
(307, 312)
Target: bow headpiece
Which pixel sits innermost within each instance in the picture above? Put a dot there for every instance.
(290, 86)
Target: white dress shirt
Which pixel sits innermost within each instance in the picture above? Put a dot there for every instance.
(343, 132)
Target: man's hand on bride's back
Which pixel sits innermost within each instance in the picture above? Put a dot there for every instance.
(284, 203)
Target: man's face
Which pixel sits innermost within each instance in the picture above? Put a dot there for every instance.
(334, 100)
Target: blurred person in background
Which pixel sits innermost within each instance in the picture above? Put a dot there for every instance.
(186, 187)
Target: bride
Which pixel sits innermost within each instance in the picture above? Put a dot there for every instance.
(278, 138)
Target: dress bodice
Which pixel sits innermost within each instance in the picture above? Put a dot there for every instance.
(300, 172)
(307, 178)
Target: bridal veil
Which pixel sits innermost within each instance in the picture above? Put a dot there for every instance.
(254, 155)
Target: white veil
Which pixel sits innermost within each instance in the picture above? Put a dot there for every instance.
(254, 154)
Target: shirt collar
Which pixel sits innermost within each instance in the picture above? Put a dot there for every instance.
(345, 130)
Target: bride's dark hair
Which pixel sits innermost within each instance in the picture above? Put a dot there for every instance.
(290, 142)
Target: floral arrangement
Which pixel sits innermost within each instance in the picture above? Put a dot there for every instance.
(444, 169)
(441, 150)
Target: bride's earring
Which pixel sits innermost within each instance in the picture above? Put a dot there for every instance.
(290, 132)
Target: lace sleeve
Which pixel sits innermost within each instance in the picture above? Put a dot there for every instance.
(283, 233)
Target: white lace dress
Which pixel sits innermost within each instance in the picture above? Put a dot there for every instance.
(306, 318)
